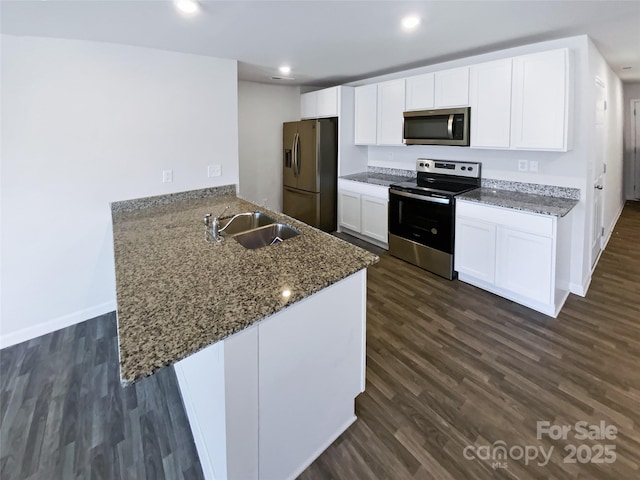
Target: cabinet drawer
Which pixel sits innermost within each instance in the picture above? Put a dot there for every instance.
(515, 219)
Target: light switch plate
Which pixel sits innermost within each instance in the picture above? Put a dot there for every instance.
(523, 165)
(167, 176)
(214, 171)
(533, 166)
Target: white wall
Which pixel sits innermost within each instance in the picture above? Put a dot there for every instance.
(84, 124)
(631, 91)
(262, 109)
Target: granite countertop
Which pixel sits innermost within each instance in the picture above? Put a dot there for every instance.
(178, 293)
(528, 202)
(383, 179)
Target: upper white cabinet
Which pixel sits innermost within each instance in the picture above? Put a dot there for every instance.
(540, 105)
(366, 119)
(490, 100)
(451, 88)
(390, 110)
(378, 113)
(419, 92)
(321, 103)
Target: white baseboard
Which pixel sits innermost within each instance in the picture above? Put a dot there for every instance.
(13, 338)
(611, 228)
(580, 289)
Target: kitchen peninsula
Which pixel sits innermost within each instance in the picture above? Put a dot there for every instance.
(268, 344)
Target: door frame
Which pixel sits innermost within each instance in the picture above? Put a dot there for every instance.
(634, 107)
(598, 179)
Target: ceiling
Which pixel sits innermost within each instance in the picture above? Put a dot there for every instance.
(333, 42)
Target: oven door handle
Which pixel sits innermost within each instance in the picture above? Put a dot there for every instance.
(425, 198)
(450, 127)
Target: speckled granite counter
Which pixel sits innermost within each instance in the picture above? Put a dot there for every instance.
(178, 293)
(375, 178)
(527, 202)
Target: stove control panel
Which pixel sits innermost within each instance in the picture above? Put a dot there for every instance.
(449, 167)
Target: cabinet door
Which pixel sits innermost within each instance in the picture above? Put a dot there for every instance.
(375, 218)
(309, 105)
(475, 248)
(349, 206)
(366, 105)
(540, 101)
(490, 99)
(390, 110)
(524, 264)
(452, 88)
(328, 102)
(419, 92)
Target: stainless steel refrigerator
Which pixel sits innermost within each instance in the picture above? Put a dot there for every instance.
(310, 173)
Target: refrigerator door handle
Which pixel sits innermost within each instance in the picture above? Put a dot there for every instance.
(295, 153)
(297, 157)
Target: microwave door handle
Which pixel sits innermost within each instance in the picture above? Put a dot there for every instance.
(450, 127)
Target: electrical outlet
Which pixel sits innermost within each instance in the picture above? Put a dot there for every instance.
(523, 165)
(167, 176)
(214, 171)
(533, 166)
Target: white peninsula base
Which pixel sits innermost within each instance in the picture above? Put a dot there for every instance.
(267, 401)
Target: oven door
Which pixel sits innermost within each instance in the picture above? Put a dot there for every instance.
(423, 219)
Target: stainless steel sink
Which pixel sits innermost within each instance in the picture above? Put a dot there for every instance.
(267, 235)
(243, 222)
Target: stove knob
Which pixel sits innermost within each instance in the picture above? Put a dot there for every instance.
(470, 168)
(428, 164)
(464, 168)
(422, 164)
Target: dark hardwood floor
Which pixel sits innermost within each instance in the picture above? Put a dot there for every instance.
(448, 365)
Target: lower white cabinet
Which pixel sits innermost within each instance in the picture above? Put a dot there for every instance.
(514, 254)
(363, 211)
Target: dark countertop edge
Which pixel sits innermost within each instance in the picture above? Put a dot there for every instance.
(500, 198)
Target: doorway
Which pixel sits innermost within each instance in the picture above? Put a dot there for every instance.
(599, 169)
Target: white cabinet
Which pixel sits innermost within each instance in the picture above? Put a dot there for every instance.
(476, 248)
(374, 222)
(451, 88)
(419, 92)
(363, 211)
(525, 264)
(321, 103)
(390, 110)
(350, 210)
(490, 100)
(514, 254)
(540, 104)
(366, 118)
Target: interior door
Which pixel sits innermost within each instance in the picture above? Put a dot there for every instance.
(289, 136)
(307, 165)
(636, 148)
(305, 206)
(598, 173)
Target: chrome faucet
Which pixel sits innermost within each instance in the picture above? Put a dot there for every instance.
(214, 232)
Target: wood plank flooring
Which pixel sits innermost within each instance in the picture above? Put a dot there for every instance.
(448, 365)
(64, 414)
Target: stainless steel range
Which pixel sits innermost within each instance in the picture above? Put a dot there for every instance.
(422, 213)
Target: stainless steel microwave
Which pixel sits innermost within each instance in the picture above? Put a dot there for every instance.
(446, 126)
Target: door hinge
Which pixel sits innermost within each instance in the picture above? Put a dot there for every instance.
(602, 231)
(604, 170)
(605, 104)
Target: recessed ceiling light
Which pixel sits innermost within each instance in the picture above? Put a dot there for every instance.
(187, 6)
(410, 22)
(285, 69)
